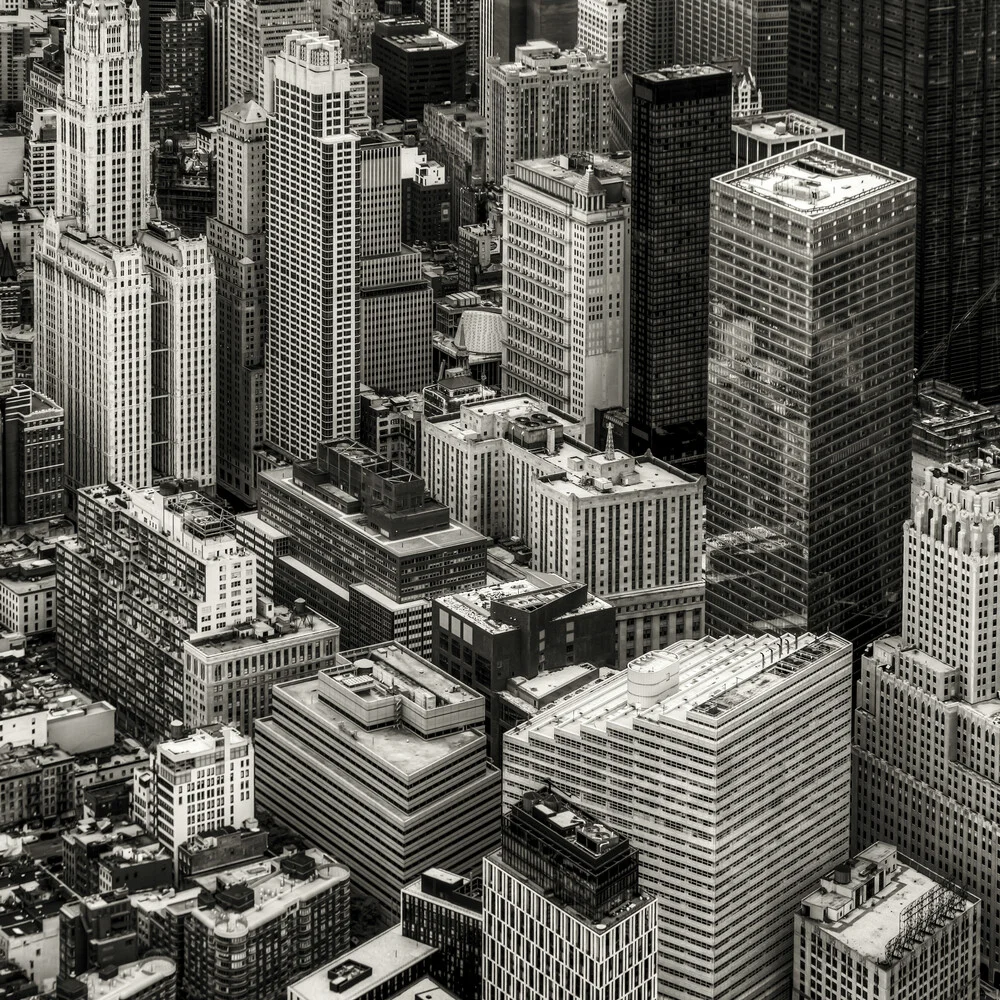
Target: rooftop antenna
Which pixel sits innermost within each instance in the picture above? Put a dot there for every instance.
(609, 446)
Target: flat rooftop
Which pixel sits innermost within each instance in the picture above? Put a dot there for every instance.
(262, 632)
(813, 180)
(419, 41)
(409, 671)
(780, 125)
(714, 676)
(130, 979)
(665, 73)
(385, 955)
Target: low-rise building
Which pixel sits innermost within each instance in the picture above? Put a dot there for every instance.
(28, 596)
(29, 937)
(389, 752)
(153, 978)
(390, 426)
(36, 784)
(85, 847)
(96, 932)
(879, 926)
(222, 847)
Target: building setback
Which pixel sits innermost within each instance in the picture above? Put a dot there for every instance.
(382, 761)
(810, 348)
(695, 753)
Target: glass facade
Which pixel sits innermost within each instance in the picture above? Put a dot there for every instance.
(810, 369)
(914, 84)
(681, 130)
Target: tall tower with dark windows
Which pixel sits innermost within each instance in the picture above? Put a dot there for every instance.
(916, 88)
(682, 118)
(810, 362)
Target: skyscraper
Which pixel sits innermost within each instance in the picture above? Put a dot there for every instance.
(726, 762)
(238, 240)
(925, 726)
(649, 35)
(549, 933)
(565, 282)
(810, 366)
(601, 31)
(544, 103)
(681, 140)
(918, 92)
(312, 360)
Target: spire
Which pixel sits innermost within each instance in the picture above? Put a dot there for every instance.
(609, 447)
(8, 272)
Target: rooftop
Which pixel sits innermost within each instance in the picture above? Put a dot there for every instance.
(814, 179)
(205, 741)
(286, 628)
(682, 73)
(784, 125)
(369, 964)
(128, 979)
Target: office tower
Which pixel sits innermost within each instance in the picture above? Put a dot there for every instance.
(218, 14)
(314, 536)
(427, 203)
(395, 304)
(291, 917)
(562, 910)
(486, 637)
(151, 14)
(352, 23)
(33, 458)
(695, 753)
(102, 162)
(15, 55)
(182, 354)
(92, 301)
(924, 730)
(601, 31)
(184, 59)
(628, 529)
(185, 177)
(649, 35)
(759, 137)
(194, 783)
(457, 138)
(877, 926)
(419, 65)
(366, 94)
(753, 33)
(238, 240)
(461, 20)
(386, 750)
(566, 230)
(153, 978)
(312, 361)
(149, 570)
(390, 427)
(927, 106)
(40, 160)
(810, 369)
(681, 140)
(546, 102)
(256, 33)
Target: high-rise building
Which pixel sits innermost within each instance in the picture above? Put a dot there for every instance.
(810, 393)
(457, 137)
(696, 754)
(184, 57)
(461, 20)
(389, 751)
(312, 360)
(290, 914)
(681, 140)
(218, 14)
(427, 203)
(238, 240)
(751, 32)
(628, 529)
(182, 354)
(194, 783)
(562, 910)
(419, 65)
(649, 35)
(924, 101)
(40, 160)
(32, 460)
(545, 102)
(601, 31)
(149, 570)
(925, 753)
(878, 926)
(489, 636)
(566, 236)
(360, 540)
(395, 305)
(255, 33)
(366, 94)
(352, 22)
(758, 137)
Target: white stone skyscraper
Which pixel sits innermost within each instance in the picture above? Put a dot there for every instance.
(238, 240)
(312, 360)
(726, 762)
(926, 763)
(102, 157)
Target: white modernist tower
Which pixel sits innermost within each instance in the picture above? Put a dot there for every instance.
(312, 360)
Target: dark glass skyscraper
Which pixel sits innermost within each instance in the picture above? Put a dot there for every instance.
(914, 84)
(681, 139)
(809, 402)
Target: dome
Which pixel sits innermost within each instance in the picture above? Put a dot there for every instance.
(479, 331)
